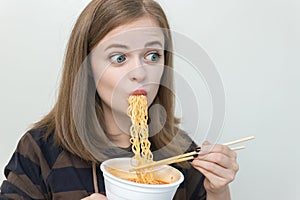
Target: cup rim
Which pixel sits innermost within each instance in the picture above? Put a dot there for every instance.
(143, 185)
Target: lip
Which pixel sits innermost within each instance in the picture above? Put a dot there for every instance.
(139, 92)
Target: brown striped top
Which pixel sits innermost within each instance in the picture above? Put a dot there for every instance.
(39, 170)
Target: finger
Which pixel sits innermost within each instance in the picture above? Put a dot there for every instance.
(218, 158)
(214, 181)
(208, 148)
(215, 169)
(217, 148)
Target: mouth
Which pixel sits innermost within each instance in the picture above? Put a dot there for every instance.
(139, 92)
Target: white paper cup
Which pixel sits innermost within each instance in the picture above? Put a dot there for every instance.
(120, 189)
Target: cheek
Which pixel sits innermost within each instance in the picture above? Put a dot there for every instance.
(155, 75)
(155, 80)
(107, 84)
(110, 85)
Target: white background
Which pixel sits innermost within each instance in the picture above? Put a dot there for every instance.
(254, 44)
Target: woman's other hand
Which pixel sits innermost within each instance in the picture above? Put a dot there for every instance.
(95, 196)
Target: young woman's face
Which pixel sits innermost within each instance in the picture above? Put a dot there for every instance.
(128, 58)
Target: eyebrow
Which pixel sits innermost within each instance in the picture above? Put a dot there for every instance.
(116, 46)
(154, 43)
(148, 44)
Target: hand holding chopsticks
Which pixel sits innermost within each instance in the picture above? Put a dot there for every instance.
(189, 156)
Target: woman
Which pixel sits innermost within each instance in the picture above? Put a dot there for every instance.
(116, 47)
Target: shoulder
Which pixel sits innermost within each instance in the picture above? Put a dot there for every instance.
(34, 151)
(38, 165)
(35, 142)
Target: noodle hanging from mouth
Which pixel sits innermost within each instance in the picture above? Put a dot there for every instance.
(138, 112)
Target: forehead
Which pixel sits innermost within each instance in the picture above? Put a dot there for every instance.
(134, 34)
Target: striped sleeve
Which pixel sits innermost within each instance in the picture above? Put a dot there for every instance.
(25, 172)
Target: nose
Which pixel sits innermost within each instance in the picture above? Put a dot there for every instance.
(137, 71)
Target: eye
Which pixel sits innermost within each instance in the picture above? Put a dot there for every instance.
(153, 57)
(117, 58)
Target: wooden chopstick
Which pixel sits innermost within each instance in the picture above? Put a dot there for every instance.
(180, 158)
(239, 140)
(238, 148)
(189, 155)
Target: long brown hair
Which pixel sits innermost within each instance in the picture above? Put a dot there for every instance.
(96, 20)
